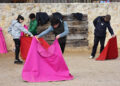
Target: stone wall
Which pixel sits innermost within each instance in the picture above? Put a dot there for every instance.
(9, 12)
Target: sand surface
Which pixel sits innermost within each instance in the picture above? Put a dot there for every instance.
(86, 72)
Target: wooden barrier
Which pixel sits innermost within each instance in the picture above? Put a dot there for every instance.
(78, 31)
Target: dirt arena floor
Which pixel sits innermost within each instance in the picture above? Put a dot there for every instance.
(86, 72)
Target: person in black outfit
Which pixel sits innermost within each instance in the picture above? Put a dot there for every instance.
(101, 23)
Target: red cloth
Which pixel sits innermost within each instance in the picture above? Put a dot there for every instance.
(25, 45)
(110, 51)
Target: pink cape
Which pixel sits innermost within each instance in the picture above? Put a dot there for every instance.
(3, 48)
(44, 65)
(110, 51)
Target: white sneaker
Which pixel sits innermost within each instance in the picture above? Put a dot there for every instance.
(91, 57)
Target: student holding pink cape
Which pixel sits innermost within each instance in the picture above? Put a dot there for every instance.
(43, 65)
(59, 28)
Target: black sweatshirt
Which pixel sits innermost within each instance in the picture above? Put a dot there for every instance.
(100, 27)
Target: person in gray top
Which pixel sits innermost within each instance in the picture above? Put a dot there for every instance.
(15, 30)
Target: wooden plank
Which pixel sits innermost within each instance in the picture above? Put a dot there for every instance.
(71, 18)
(51, 36)
(78, 31)
(73, 43)
(76, 43)
(77, 22)
(78, 27)
(77, 36)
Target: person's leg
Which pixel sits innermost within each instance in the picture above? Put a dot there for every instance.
(62, 45)
(17, 50)
(96, 41)
(102, 42)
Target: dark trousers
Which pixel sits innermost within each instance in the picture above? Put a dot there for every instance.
(62, 46)
(96, 41)
(17, 48)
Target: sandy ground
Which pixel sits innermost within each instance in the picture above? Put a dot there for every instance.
(86, 72)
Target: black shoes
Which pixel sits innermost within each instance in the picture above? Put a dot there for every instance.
(18, 61)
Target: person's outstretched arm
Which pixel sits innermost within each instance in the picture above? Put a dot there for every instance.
(45, 32)
(24, 30)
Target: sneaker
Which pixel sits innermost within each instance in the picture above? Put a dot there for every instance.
(18, 61)
(91, 57)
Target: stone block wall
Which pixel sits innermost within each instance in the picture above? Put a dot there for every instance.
(8, 12)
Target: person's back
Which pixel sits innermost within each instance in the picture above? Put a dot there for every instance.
(15, 31)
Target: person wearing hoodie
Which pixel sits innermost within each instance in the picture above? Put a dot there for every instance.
(15, 30)
(60, 29)
(101, 23)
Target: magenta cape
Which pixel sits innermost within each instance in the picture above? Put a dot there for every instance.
(44, 65)
(110, 51)
(3, 48)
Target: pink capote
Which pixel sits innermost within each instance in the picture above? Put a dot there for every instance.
(44, 65)
(3, 48)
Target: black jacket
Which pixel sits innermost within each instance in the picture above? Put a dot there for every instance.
(101, 26)
(42, 18)
(78, 16)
